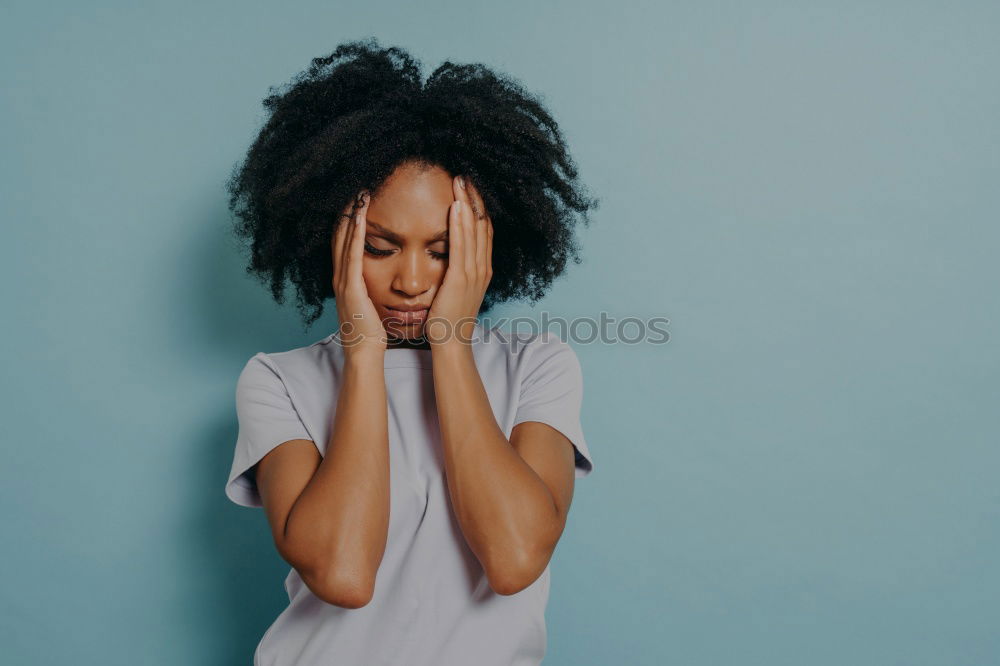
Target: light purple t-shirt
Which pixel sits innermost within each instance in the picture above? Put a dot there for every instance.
(432, 604)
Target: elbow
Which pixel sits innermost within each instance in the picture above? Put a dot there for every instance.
(508, 583)
(505, 585)
(341, 591)
(515, 575)
(351, 597)
(332, 585)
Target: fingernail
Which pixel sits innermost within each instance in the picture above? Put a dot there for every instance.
(461, 182)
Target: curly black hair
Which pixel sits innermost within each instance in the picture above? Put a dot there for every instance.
(346, 123)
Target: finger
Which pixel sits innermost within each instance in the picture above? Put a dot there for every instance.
(475, 200)
(489, 249)
(469, 238)
(358, 246)
(346, 242)
(481, 256)
(479, 220)
(456, 246)
(466, 253)
(343, 223)
(346, 251)
(478, 216)
(484, 229)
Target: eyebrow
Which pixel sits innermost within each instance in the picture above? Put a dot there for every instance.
(396, 238)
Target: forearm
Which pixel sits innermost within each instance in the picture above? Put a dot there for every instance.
(342, 515)
(506, 512)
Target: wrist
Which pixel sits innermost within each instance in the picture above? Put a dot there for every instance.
(369, 356)
(452, 347)
(442, 330)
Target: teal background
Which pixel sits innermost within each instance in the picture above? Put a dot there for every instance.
(805, 474)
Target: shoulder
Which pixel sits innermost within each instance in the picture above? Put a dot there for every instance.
(290, 365)
(528, 351)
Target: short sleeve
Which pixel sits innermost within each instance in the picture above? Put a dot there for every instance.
(551, 392)
(266, 418)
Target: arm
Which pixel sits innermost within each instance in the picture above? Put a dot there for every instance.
(329, 516)
(330, 519)
(511, 512)
(510, 498)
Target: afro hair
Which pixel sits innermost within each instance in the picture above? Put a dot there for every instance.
(347, 122)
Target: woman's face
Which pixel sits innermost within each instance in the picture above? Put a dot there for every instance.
(406, 244)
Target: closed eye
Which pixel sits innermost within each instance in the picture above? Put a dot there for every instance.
(384, 253)
(377, 252)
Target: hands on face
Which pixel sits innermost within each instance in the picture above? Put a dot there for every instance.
(361, 328)
(453, 311)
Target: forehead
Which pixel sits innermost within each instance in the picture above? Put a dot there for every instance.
(413, 202)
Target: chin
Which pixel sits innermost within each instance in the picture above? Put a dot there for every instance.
(404, 332)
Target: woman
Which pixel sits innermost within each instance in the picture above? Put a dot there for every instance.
(416, 468)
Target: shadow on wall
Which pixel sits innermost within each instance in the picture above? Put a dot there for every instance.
(232, 546)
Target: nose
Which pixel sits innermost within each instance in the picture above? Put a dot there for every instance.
(413, 276)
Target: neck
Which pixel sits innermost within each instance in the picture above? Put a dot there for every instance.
(405, 343)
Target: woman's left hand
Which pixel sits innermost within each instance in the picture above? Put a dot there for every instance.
(470, 267)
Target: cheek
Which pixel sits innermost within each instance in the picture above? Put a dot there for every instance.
(440, 271)
(374, 274)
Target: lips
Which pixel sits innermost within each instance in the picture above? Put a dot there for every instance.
(408, 316)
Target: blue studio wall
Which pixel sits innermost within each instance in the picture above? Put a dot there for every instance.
(806, 473)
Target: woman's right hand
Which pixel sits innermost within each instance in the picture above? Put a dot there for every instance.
(361, 329)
